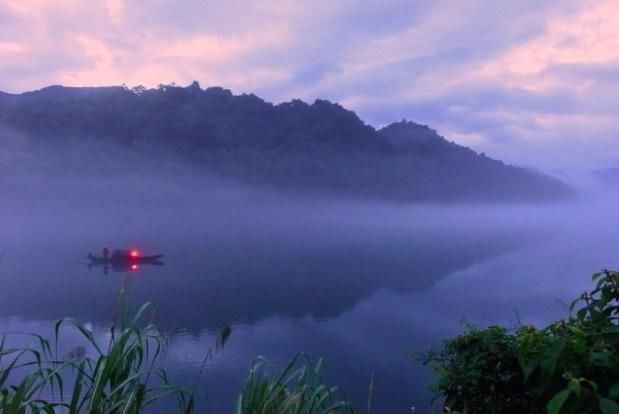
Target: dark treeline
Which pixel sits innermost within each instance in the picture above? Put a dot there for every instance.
(292, 146)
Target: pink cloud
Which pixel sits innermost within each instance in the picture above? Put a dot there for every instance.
(589, 35)
(10, 48)
(444, 63)
(115, 10)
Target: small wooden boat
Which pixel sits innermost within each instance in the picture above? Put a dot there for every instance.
(125, 257)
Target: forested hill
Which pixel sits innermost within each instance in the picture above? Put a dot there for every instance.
(292, 146)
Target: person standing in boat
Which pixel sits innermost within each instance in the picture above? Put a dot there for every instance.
(106, 253)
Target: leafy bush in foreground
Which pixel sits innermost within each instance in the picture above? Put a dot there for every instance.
(570, 366)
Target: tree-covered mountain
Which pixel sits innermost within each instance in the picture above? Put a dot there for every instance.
(292, 146)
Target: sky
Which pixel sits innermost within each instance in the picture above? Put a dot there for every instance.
(532, 82)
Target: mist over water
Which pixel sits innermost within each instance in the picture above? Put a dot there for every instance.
(363, 283)
(357, 181)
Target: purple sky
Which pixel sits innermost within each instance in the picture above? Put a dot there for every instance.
(532, 82)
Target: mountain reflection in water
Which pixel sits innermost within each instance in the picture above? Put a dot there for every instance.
(211, 283)
(366, 294)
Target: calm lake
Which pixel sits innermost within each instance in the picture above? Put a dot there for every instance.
(365, 285)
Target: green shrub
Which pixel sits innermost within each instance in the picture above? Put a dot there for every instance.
(571, 366)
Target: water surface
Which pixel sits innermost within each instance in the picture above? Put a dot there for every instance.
(366, 285)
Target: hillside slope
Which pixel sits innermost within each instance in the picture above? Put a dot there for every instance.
(292, 146)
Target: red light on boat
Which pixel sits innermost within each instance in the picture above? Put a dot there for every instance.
(134, 253)
(134, 267)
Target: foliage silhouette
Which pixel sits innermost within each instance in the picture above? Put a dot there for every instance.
(570, 366)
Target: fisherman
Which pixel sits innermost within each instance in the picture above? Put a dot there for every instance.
(106, 253)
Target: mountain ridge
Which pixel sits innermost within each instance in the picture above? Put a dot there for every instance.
(291, 145)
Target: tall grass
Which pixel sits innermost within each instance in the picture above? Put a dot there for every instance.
(121, 377)
(296, 389)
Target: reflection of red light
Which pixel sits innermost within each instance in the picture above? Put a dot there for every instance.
(134, 253)
(134, 267)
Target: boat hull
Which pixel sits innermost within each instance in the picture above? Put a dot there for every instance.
(99, 260)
